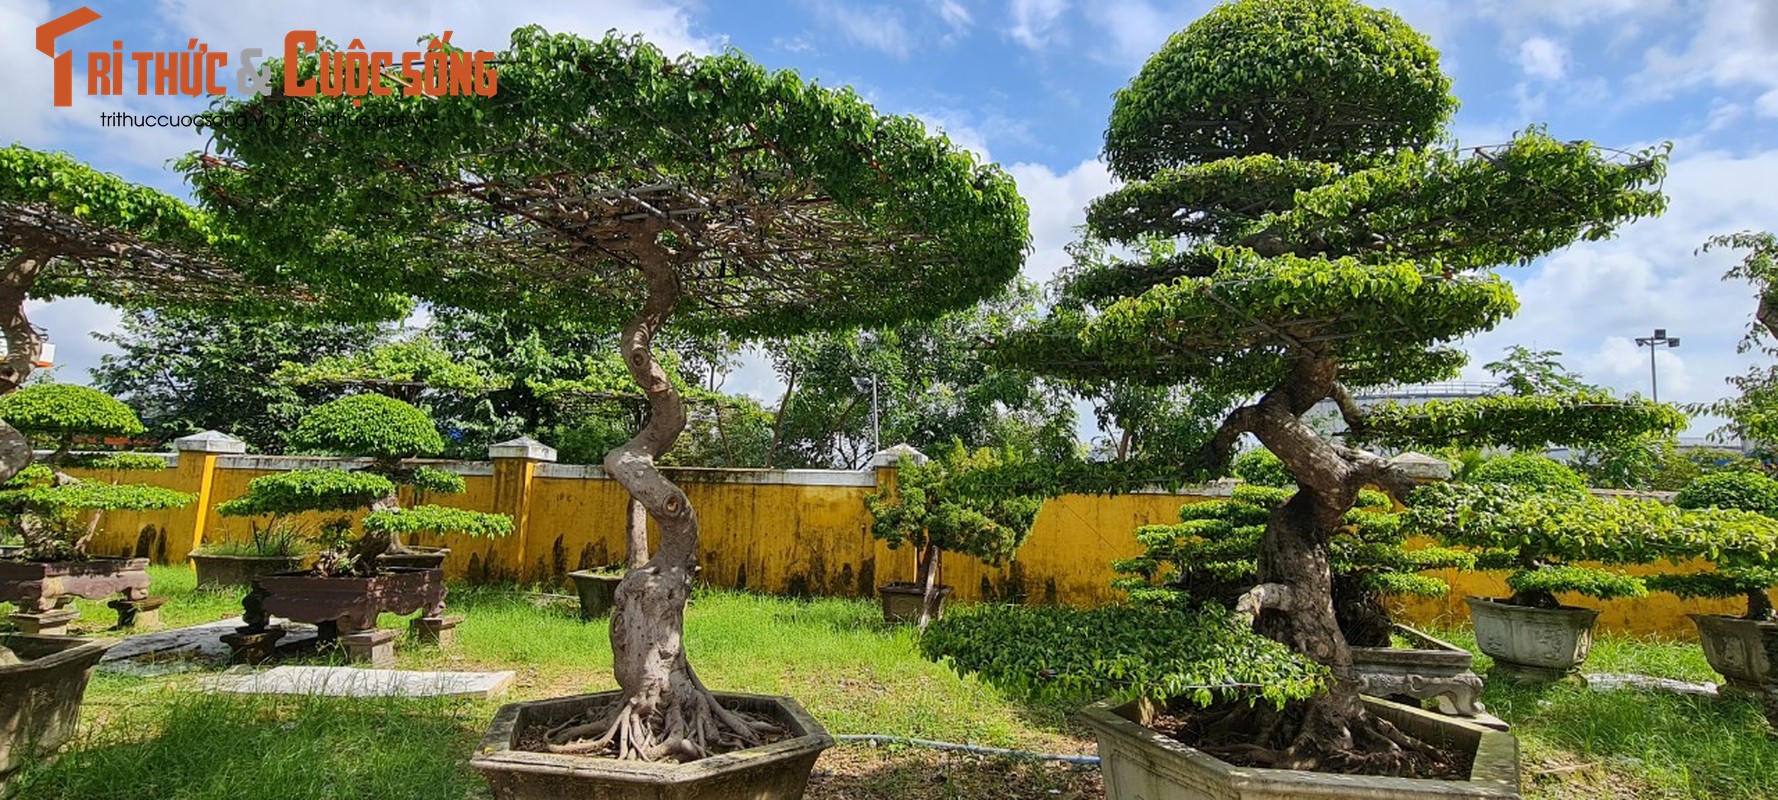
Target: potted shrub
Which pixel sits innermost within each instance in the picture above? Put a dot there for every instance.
(56, 516)
(1735, 646)
(1210, 559)
(935, 510)
(350, 583)
(1535, 517)
(708, 190)
(281, 546)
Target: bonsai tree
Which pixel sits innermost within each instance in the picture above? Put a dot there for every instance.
(1535, 517)
(63, 412)
(1327, 241)
(707, 191)
(1211, 557)
(55, 514)
(934, 511)
(1735, 574)
(388, 431)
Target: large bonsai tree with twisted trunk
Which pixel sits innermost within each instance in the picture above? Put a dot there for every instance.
(1326, 242)
(609, 184)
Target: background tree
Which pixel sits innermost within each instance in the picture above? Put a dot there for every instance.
(1327, 242)
(185, 371)
(1753, 413)
(707, 190)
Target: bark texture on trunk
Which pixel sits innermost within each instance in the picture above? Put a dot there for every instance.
(635, 535)
(666, 712)
(1293, 602)
(22, 348)
(927, 571)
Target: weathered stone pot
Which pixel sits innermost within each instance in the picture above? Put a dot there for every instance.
(40, 697)
(221, 570)
(1532, 644)
(902, 602)
(597, 590)
(352, 603)
(1432, 668)
(777, 771)
(1139, 763)
(1736, 648)
(416, 558)
(35, 586)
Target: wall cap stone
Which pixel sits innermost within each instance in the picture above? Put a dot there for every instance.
(523, 447)
(210, 442)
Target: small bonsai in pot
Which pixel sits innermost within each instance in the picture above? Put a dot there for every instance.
(390, 433)
(1534, 516)
(56, 516)
(935, 510)
(1734, 646)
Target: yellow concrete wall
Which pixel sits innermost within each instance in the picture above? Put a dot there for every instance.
(775, 532)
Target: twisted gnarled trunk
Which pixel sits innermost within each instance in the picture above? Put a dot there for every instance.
(665, 713)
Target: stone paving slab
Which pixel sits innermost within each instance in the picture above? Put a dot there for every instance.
(1606, 681)
(182, 649)
(355, 682)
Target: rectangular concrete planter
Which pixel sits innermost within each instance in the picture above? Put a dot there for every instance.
(1736, 648)
(416, 558)
(36, 585)
(597, 590)
(40, 697)
(351, 602)
(777, 771)
(222, 571)
(1139, 763)
(1431, 669)
(902, 602)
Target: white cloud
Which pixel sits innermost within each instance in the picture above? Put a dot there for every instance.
(1034, 22)
(1734, 45)
(1136, 28)
(878, 28)
(1058, 206)
(953, 13)
(1591, 300)
(1543, 58)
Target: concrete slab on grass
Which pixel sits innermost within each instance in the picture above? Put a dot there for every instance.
(182, 649)
(355, 682)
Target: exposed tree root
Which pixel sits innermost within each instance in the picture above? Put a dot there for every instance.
(1310, 736)
(689, 727)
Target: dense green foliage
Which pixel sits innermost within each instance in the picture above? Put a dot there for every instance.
(368, 425)
(1211, 557)
(929, 509)
(401, 368)
(1752, 413)
(148, 462)
(1526, 422)
(1260, 468)
(56, 516)
(1735, 573)
(1255, 91)
(303, 490)
(437, 520)
(432, 480)
(185, 372)
(890, 223)
(1529, 470)
(1072, 655)
(61, 410)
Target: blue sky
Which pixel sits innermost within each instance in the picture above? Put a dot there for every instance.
(1028, 83)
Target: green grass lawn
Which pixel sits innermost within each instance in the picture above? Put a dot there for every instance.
(157, 738)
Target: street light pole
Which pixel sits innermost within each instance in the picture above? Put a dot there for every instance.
(1652, 342)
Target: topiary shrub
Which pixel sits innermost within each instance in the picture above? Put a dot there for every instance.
(63, 412)
(935, 512)
(1528, 470)
(57, 516)
(368, 425)
(286, 494)
(1211, 558)
(1070, 656)
(1736, 573)
(1261, 468)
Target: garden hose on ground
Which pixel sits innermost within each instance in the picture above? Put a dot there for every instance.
(875, 739)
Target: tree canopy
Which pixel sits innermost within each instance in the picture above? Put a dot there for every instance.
(785, 206)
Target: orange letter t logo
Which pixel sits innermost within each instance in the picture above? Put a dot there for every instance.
(46, 40)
